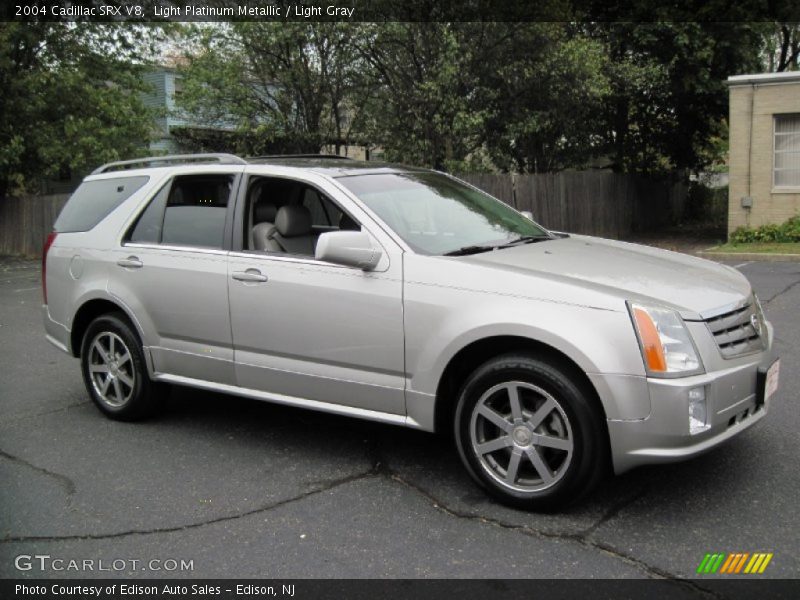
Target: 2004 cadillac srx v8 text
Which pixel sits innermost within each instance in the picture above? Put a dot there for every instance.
(406, 296)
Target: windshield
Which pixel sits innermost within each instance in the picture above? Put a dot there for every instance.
(435, 214)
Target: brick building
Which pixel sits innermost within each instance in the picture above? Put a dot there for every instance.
(764, 149)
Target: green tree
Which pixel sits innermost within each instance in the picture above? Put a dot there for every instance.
(291, 85)
(71, 99)
(782, 47)
(428, 102)
(668, 102)
(550, 86)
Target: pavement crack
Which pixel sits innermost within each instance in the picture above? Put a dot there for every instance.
(614, 510)
(782, 292)
(159, 530)
(63, 480)
(46, 412)
(441, 506)
(581, 537)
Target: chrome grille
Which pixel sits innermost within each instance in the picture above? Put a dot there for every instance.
(734, 331)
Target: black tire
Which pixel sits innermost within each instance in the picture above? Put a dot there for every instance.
(133, 395)
(569, 442)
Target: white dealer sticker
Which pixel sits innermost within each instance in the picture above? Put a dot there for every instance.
(771, 385)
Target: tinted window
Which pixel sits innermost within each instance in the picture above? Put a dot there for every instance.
(94, 200)
(148, 227)
(332, 211)
(314, 205)
(323, 212)
(195, 211)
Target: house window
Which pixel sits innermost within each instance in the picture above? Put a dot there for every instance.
(787, 151)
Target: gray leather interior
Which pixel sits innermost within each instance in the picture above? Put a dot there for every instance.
(264, 214)
(292, 231)
(293, 220)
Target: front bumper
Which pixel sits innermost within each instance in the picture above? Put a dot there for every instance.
(731, 404)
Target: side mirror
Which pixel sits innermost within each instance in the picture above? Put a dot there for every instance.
(349, 248)
(527, 214)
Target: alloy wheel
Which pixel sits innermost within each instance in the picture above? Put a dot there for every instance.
(111, 369)
(521, 436)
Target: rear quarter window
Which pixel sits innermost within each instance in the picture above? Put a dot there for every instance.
(93, 201)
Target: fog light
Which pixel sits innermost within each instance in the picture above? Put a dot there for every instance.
(698, 413)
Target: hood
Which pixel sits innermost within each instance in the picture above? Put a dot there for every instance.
(696, 287)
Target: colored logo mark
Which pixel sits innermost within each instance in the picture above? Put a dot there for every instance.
(737, 562)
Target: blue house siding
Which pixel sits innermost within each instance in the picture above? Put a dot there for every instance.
(163, 82)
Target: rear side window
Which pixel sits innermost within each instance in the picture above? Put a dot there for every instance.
(148, 227)
(93, 201)
(189, 212)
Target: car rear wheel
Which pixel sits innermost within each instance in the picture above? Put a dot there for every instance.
(114, 370)
(529, 433)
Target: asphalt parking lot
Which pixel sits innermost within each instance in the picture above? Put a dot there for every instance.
(248, 489)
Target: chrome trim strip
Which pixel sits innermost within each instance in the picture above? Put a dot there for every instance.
(281, 257)
(716, 312)
(198, 249)
(307, 260)
(348, 411)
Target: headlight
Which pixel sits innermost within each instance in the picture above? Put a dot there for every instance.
(666, 345)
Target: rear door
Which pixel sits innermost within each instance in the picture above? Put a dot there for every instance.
(171, 270)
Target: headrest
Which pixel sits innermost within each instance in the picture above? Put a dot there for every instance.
(264, 212)
(293, 220)
(347, 223)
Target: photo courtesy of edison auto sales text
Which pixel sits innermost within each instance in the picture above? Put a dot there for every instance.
(127, 589)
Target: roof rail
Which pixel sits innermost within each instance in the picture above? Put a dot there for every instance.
(224, 159)
(321, 156)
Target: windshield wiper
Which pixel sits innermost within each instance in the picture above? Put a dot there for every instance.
(526, 239)
(469, 250)
(477, 249)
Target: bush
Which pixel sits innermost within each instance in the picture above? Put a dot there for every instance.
(789, 231)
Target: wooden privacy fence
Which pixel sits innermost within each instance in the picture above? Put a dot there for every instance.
(599, 203)
(26, 221)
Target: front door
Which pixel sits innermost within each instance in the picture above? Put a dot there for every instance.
(311, 330)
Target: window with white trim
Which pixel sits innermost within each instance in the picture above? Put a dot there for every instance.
(787, 151)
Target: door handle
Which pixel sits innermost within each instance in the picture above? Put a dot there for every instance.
(250, 276)
(132, 262)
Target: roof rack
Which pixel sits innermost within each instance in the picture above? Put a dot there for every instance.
(224, 159)
(320, 156)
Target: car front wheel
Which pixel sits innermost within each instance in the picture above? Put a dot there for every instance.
(529, 433)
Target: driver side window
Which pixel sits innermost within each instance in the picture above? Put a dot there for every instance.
(287, 216)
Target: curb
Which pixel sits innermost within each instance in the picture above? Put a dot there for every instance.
(749, 256)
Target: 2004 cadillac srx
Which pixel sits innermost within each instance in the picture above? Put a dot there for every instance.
(405, 296)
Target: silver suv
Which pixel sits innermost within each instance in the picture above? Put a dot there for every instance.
(404, 296)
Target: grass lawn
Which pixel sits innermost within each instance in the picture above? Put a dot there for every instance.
(762, 248)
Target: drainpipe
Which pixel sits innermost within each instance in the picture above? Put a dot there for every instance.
(748, 205)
